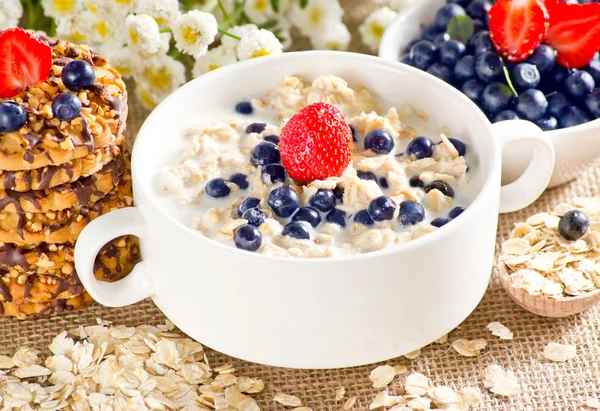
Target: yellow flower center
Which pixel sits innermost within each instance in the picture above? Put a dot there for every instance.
(134, 36)
(64, 6)
(102, 29)
(190, 35)
(147, 99)
(212, 67)
(315, 16)
(123, 70)
(261, 5)
(377, 30)
(260, 53)
(159, 78)
(160, 21)
(332, 45)
(123, 1)
(77, 37)
(92, 8)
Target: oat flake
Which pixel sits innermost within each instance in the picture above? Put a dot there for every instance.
(559, 352)
(501, 382)
(339, 393)
(349, 404)
(287, 400)
(592, 403)
(469, 348)
(500, 331)
(382, 376)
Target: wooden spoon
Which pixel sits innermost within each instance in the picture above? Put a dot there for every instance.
(547, 306)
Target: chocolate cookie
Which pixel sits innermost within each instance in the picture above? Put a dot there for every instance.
(24, 310)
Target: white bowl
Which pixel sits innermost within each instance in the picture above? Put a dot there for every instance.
(320, 313)
(575, 147)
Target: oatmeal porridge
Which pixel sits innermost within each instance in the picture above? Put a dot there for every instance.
(319, 169)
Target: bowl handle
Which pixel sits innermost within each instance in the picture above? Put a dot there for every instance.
(133, 288)
(532, 183)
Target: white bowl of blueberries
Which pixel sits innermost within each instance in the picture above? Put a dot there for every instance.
(548, 74)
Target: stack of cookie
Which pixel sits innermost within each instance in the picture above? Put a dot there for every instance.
(63, 162)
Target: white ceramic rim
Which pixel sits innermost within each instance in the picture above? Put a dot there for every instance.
(385, 52)
(493, 168)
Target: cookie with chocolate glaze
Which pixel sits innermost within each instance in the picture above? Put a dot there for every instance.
(45, 140)
(51, 275)
(53, 176)
(59, 227)
(25, 310)
(83, 192)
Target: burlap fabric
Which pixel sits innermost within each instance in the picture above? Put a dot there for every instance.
(546, 385)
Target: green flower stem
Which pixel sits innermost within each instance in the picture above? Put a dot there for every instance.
(509, 82)
(209, 6)
(225, 33)
(233, 18)
(167, 30)
(225, 14)
(30, 14)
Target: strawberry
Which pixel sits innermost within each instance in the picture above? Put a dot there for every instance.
(517, 27)
(316, 143)
(25, 60)
(574, 33)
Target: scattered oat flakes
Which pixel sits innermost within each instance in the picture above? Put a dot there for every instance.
(339, 393)
(442, 340)
(382, 376)
(500, 331)
(287, 400)
(416, 384)
(501, 382)
(592, 403)
(469, 348)
(350, 403)
(470, 396)
(443, 395)
(412, 355)
(400, 369)
(559, 352)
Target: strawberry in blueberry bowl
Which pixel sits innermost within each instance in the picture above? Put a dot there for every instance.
(535, 60)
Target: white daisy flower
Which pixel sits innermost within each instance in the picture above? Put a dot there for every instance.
(317, 17)
(161, 76)
(143, 33)
(123, 59)
(74, 29)
(194, 32)
(373, 27)
(283, 29)
(214, 59)
(258, 44)
(61, 9)
(336, 38)
(10, 13)
(259, 11)
(239, 31)
(163, 11)
(399, 5)
(104, 28)
(146, 95)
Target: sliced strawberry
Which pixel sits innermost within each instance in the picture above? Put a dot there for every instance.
(316, 143)
(574, 33)
(517, 27)
(25, 60)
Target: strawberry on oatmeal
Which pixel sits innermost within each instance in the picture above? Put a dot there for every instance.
(319, 170)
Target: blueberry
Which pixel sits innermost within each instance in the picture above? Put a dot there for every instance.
(481, 42)
(505, 115)
(217, 188)
(547, 123)
(272, 139)
(455, 212)
(440, 39)
(256, 128)
(240, 180)
(337, 216)
(379, 141)
(440, 222)
(405, 58)
(423, 54)
(557, 103)
(411, 213)
(273, 174)
(496, 97)
(338, 192)
(479, 25)
(382, 208)
(78, 75)
(297, 229)
(430, 32)
(323, 200)
(573, 116)
(593, 103)
(489, 67)
(383, 183)
(255, 217)
(447, 13)
(284, 201)
(244, 107)
(459, 146)
(363, 217)
(246, 205)
(265, 153)
(12, 116)
(525, 76)
(308, 214)
(531, 105)
(558, 75)
(544, 58)
(247, 238)
(464, 69)
(66, 106)
(473, 89)
(478, 9)
(441, 71)
(366, 175)
(441, 186)
(416, 182)
(420, 147)
(579, 84)
(594, 70)
(573, 225)
(463, 3)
